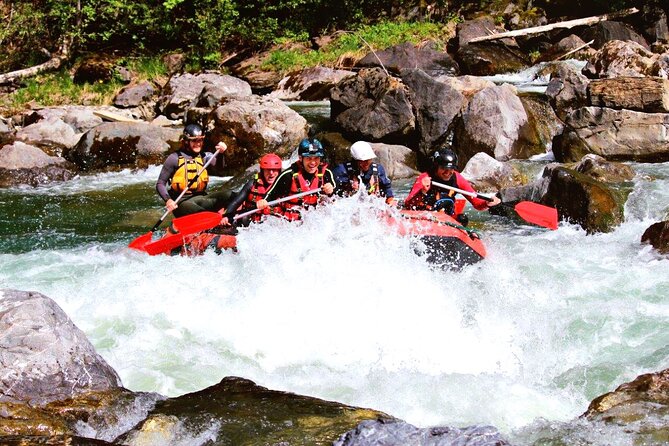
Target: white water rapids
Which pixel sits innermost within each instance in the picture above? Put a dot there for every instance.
(340, 309)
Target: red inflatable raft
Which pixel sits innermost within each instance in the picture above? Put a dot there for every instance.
(440, 238)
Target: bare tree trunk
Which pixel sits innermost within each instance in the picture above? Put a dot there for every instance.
(52, 64)
(544, 28)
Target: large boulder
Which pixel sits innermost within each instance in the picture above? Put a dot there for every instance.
(310, 84)
(617, 135)
(123, 144)
(408, 56)
(51, 132)
(536, 136)
(185, 91)
(436, 104)
(488, 174)
(657, 235)
(567, 90)
(641, 404)
(397, 432)
(617, 58)
(254, 126)
(373, 106)
(491, 124)
(238, 411)
(606, 31)
(135, 95)
(21, 163)
(600, 169)
(645, 94)
(580, 199)
(45, 357)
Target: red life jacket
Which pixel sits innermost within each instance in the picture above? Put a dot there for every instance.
(257, 192)
(290, 208)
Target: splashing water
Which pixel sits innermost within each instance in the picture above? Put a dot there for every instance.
(339, 308)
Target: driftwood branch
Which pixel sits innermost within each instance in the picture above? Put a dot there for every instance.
(544, 28)
(576, 49)
(52, 64)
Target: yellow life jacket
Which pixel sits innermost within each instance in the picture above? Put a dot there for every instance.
(187, 169)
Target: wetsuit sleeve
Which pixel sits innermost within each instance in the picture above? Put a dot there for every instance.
(166, 173)
(415, 199)
(238, 199)
(281, 186)
(463, 184)
(341, 177)
(328, 177)
(385, 183)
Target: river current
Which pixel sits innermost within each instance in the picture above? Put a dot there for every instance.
(338, 308)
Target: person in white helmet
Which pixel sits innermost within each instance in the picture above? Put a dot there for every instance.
(363, 170)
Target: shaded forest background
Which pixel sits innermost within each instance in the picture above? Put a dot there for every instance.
(209, 30)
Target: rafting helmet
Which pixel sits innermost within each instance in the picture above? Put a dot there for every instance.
(193, 131)
(362, 151)
(445, 158)
(310, 147)
(270, 161)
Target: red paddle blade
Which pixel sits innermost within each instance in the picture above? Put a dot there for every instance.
(141, 241)
(537, 214)
(179, 229)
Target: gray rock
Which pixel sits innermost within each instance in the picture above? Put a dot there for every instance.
(44, 357)
(407, 56)
(310, 84)
(400, 433)
(49, 131)
(134, 95)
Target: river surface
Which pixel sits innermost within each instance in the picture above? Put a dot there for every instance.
(338, 308)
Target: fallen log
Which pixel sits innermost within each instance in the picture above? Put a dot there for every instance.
(52, 64)
(566, 24)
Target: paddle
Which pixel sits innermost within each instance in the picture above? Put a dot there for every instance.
(277, 201)
(529, 211)
(142, 240)
(201, 221)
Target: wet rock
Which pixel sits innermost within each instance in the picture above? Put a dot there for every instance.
(373, 106)
(467, 85)
(617, 58)
(599, 169)
(490, 58)
(23, 164)
(310, 84)
(400, 433)
(51, 131)
(45, 357)
(123, 144)
(580, 199)
(645, 94)
(254, 126)
(565, 46)
(607, 31)
(616, 135)
(567, 89)
(657, 235)
(237, 411)
(632, 401)
(134, 95)
(536, 136)
(436, 104)
(184, 91)
(488, 174)
(491, 124)
(407, 56)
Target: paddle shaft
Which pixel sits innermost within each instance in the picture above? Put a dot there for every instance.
(463, 192)
(277, 201)
(183, 192)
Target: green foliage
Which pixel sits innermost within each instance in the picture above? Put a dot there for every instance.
(379, 36)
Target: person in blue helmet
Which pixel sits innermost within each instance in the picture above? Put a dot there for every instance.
(309, 172)
(362, 168)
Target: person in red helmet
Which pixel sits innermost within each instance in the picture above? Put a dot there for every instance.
(254, 190)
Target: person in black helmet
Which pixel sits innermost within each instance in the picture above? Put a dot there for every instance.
(182, 166)
(424, 196)
(307, 173)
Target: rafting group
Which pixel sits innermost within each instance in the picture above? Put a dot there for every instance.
(209, 220)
